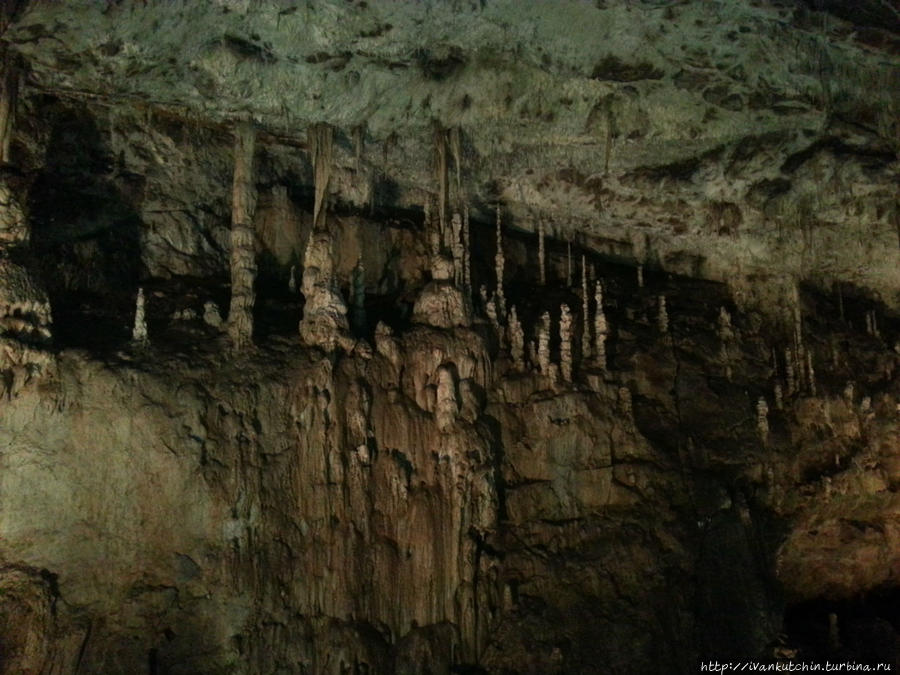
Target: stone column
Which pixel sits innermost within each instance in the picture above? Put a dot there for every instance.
(243, 249)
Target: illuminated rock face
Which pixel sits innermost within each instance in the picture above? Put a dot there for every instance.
(691, 454)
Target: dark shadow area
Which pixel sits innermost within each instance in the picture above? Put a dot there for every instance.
(85, 235)
(864, 630)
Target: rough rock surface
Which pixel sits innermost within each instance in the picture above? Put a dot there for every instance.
(700, 461)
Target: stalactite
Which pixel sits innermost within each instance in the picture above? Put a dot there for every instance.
(516, 340)
(810, 374)
(320, 139)
(457, 249)
(432, 232)
(640, 276)
(543, 344)
(292, 282)
(139, 332)
(541, 262)
(358, 298)
(440, 173)
(585, 313)
(762, 419)
(243, 253)
(456, 152)
(499, 263)
(779, 397)
(565, 342)
(600, 327)
(9, 89)
(569, 263)
(662, 315)
(789, 371)
(467, 255)
(359, 134)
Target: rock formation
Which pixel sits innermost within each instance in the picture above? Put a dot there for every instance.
(715, 480)
(324, 322)
(441, 303)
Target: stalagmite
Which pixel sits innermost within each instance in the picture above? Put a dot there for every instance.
(762, 418)
(543, 344)
(779, 397)
(499, 263)
(585, 314)
(386, 344)
(849, 392)
(533, 354)
(516, 340)
(139, 332)
(662, 316)
(541, 262)
(872, 324)
(441, 303)
(726, 338)
(320, 140)
(640, 276)
(565, 342)
(324, 323)
(491, 310)
(243, 253)
(211, 315)
(600, 327)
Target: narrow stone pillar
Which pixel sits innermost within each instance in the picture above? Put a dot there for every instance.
(243, 250)
(9, 89)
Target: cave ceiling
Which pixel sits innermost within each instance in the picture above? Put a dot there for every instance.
(723, 139)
